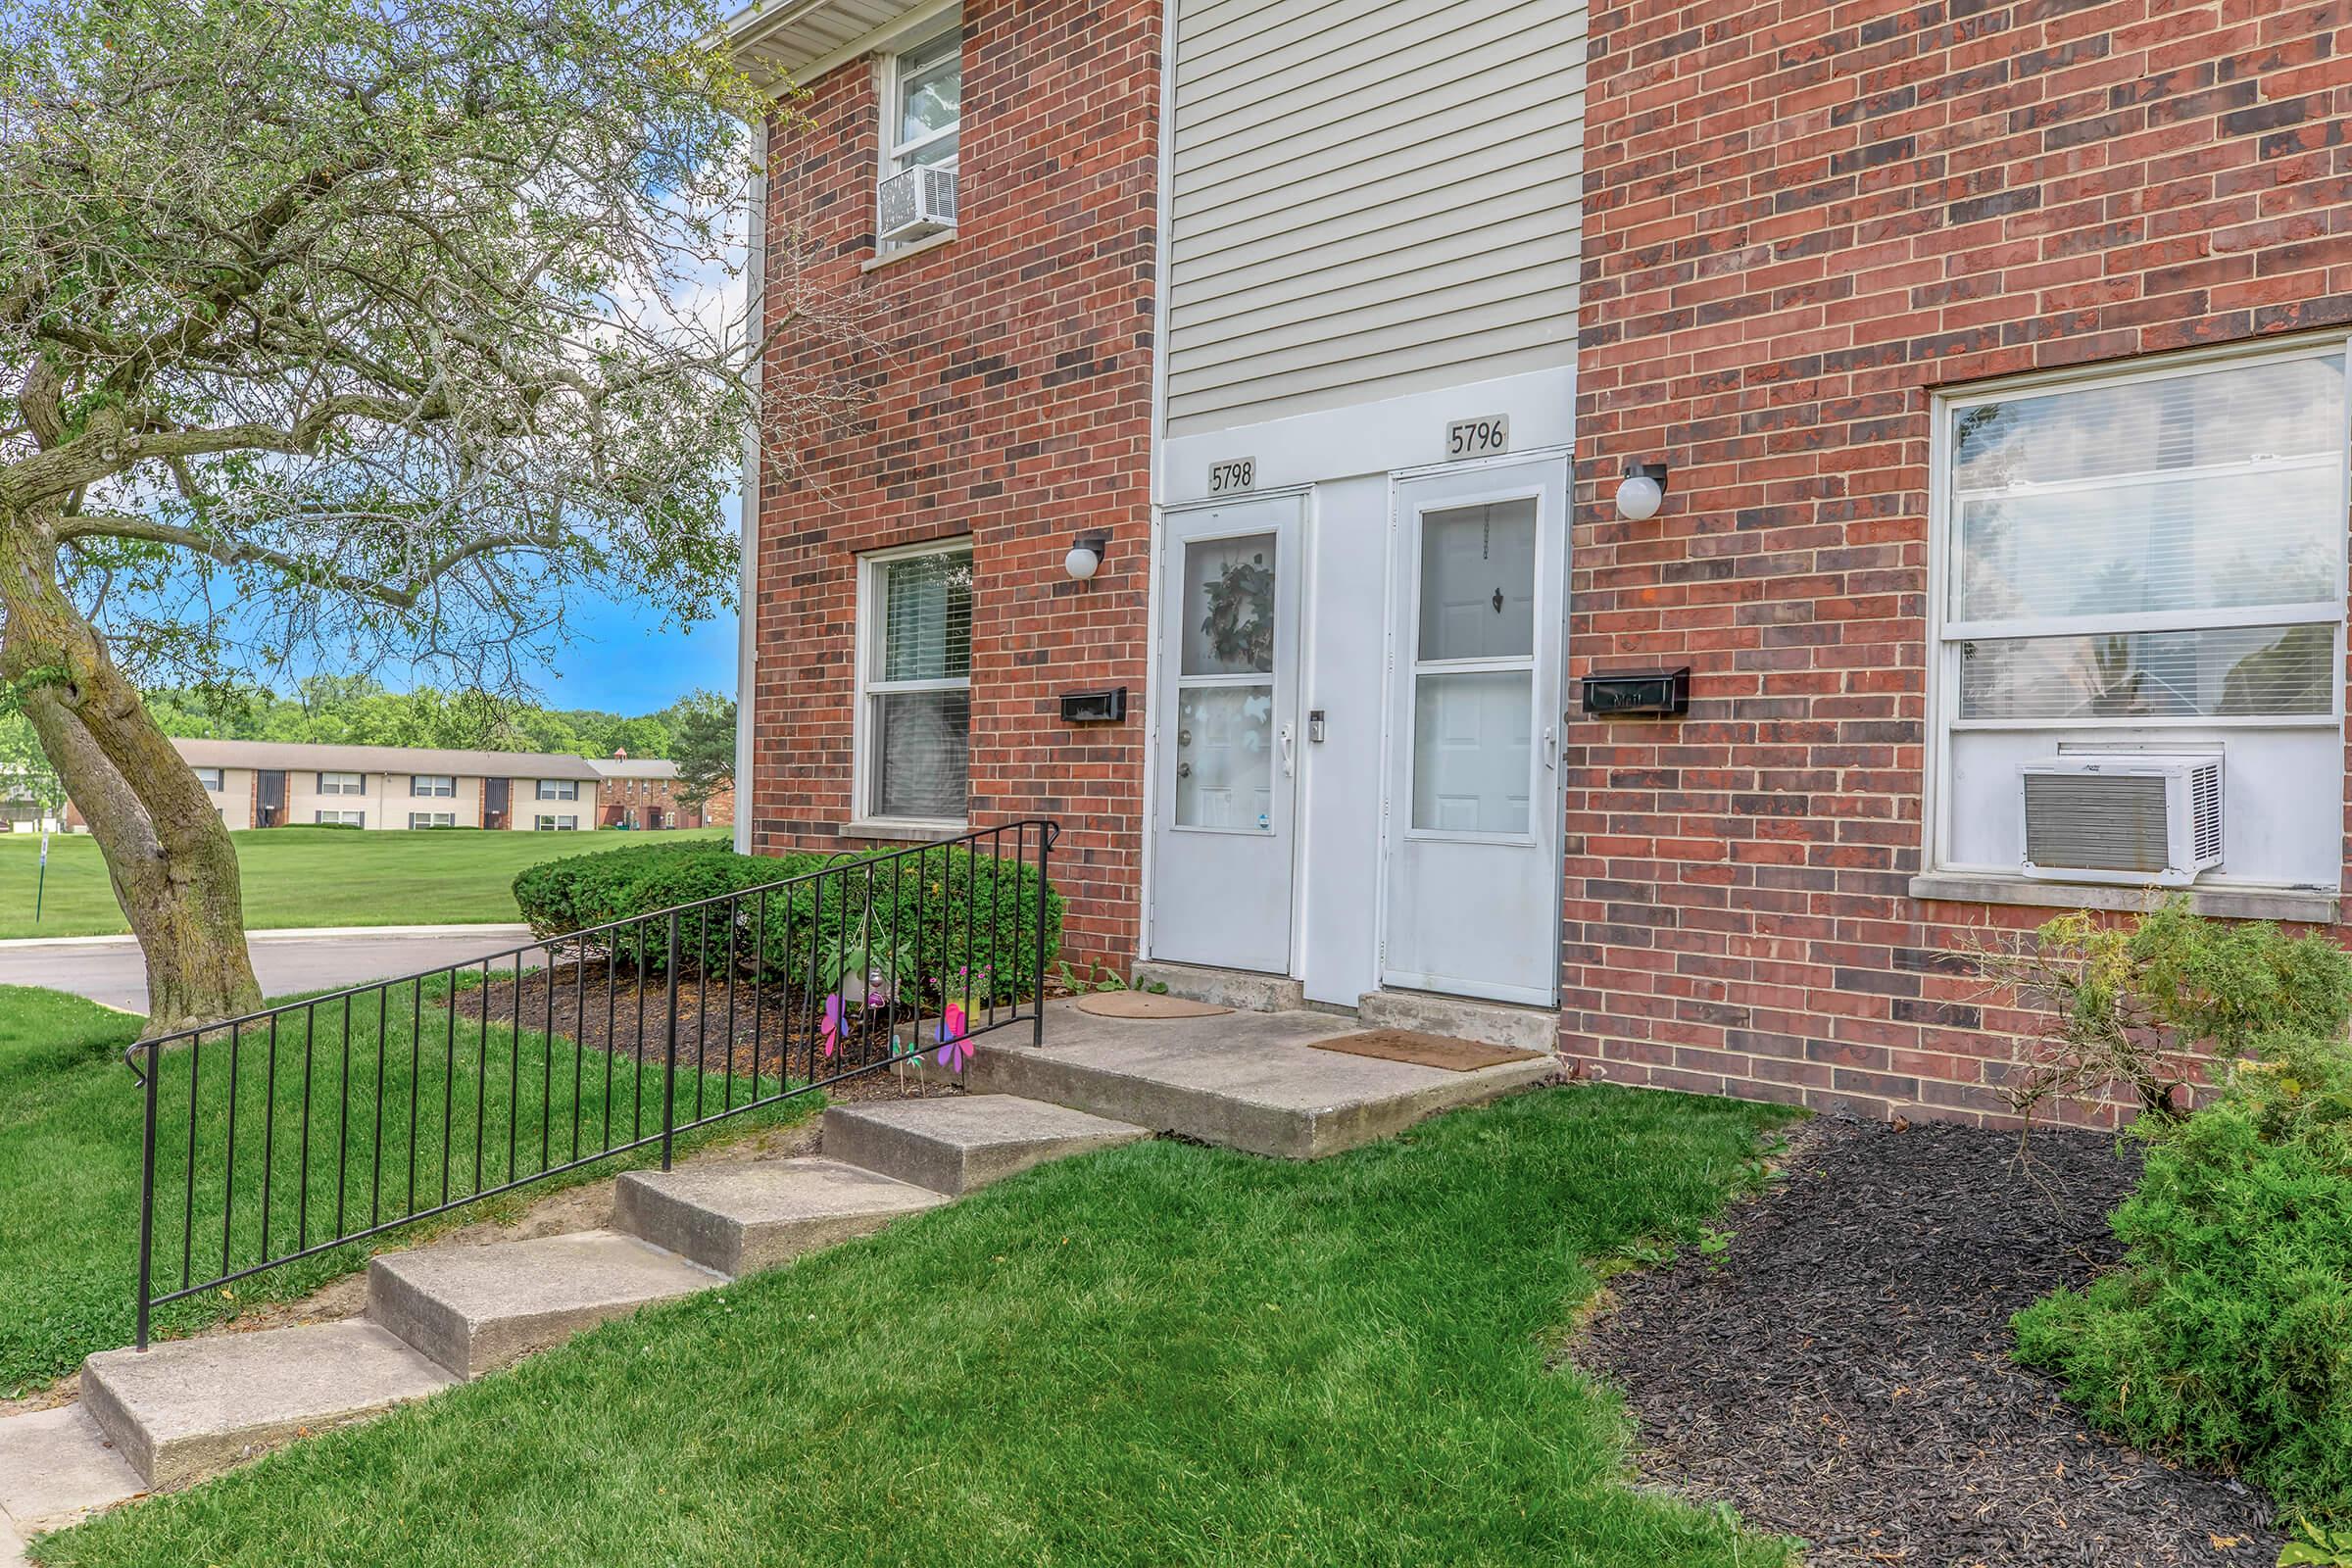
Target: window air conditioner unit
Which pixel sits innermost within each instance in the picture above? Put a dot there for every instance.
(917, 202)
(2133, 817)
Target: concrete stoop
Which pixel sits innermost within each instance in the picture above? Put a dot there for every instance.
(1259, 1085)
(1244, 989)
(1492, 1023)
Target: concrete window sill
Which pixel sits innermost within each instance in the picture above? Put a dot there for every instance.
(868, 827)
(907, 253)
(2299, 906)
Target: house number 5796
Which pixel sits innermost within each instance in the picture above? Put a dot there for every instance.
(1477, 438)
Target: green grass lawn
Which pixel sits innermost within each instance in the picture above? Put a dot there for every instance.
(70, 1153)
(311, 876)
(1163, 1353)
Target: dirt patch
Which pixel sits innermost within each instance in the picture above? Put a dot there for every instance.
(722, 1024)
(1839, 1371)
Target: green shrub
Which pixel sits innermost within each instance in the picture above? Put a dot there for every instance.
(942, 921)
(2138, 1005)
(2226, 1337)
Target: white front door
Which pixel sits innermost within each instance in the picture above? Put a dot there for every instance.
(1226, 720)
(1472, 807)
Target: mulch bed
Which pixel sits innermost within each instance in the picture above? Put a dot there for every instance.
(720, 1025)
(1840, 1373)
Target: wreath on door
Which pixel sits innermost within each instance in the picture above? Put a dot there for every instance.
(1239, 623)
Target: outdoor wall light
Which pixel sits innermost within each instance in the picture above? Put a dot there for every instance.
(1641, 491)
(1085, 555)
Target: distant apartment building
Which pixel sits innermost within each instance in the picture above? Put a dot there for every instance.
(284, 784)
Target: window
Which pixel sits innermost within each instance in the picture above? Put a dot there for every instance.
(340, 818)
(342, 784)
(557, 825)
(433, 785)
(210, 778)
(559, 789)
(2146, 560)
(914, 709)
(432, 819)
(922, 104)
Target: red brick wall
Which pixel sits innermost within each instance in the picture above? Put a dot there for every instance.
(1802, 218)
(1009, 383)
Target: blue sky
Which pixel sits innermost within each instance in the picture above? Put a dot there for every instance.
(628, 664)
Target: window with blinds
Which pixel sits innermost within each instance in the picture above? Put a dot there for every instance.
(916, 703)
(2160, 548)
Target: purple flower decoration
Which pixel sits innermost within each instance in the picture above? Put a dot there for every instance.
(831, 1033)
(955, 1050)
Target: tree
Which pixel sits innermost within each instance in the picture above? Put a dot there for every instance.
(370, 326)
(702, 742)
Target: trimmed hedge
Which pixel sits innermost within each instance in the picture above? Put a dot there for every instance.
(950, 916)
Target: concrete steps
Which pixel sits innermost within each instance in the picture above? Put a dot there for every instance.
(474, 1309)
(191, 1409)
(186, 1409)
(957, 1144)
(739, 1219)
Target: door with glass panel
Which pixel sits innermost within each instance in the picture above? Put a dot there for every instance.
(1472, 804)
(1226, 726)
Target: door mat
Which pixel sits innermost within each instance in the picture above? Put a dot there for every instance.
(1145, 1004)
(1427, 1051)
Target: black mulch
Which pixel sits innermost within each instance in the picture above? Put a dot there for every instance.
(742, 1027)
(1841, 1371)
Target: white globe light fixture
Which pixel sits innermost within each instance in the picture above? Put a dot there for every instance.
(1086, 555)
(1641, 491)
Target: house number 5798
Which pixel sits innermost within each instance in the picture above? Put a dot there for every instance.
(1232, 478)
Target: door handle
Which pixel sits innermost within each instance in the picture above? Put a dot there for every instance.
(1289, 750)
(1551, 746)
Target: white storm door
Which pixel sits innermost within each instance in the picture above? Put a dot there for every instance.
(1227, 725)
(1472, 809)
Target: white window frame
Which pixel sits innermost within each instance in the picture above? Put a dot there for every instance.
(894, 153)
(871, 611)
(427, 786)
(342, 783)
(1945, 635)
(210, 778)
(550, 822)
(326, 818)
(425, 819)
(558, 789)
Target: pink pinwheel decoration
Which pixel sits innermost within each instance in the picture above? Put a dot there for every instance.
(955, 1050)
(831, 1033)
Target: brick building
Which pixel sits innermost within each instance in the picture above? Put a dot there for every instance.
(1980, 368)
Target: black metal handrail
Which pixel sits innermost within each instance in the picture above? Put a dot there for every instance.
(859, 965)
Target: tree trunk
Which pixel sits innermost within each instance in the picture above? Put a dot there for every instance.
(167, 849)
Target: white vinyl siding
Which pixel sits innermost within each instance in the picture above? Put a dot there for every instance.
(1369, 199)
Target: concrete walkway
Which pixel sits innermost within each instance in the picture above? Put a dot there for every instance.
(109, 970)
(187, 1409)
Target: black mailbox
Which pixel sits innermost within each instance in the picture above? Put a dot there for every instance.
(1639, 691)
(1095, 707)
